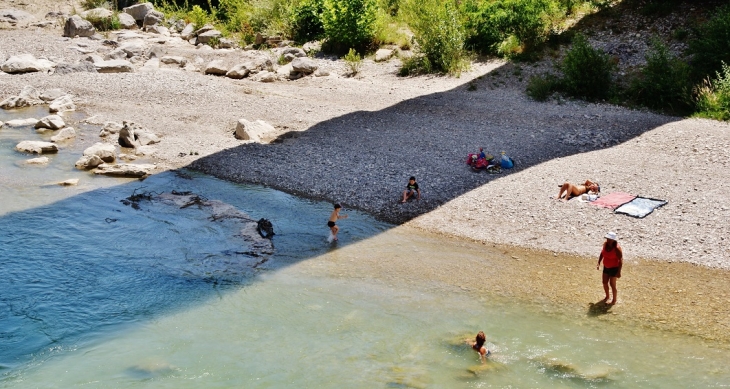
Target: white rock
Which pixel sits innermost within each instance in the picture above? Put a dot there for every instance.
(21, 122)
(238, 72)
(36, 147)
(114, 66)
(145, 151)
(304, 65)
(52, 94)
(25, 63)
(110, 128)
(383, 55)
(146, 138)
(77, 26)
(127, 21)
(216, 68)
(37, 161)
(62, 104)
(265, 76)
(53, 122)
(63, 135)
(69, 182)
(125, 170)
(105, 151)
(87, 162)
(139, 11)
(258, 131)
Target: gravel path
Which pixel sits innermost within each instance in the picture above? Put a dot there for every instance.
(365, 135)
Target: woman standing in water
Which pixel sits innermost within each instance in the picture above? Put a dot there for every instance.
(612, 257)
(478, 346)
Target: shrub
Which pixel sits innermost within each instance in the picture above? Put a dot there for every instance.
(713, 97)
(105, 24)
(710, 47)
(349, 23)
(198, 17)
(586, 71)
(91, 4)
(306, 21)
(541, 87)
(388, 31)
(527, 22)
(440, 36)
(353, 61)
(664, 83)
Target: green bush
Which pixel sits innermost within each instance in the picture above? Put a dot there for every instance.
(91, 4)
(199, 17)
(306, 21)
(353, 61)
(710, 48)
(440, 36)
(491, 23)
(586, 71)
(105, 24)
(349, 23)
(713, 97)
(542, 86)
(664, 83)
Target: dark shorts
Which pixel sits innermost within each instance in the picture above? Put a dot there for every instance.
(330, 224)
(611, 271)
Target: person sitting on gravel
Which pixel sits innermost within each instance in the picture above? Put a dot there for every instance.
(411, 190)
(571, 190)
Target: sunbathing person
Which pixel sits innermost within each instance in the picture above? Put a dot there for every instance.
(571, 190)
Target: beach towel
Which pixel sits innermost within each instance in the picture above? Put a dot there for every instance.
(640, 207)
(613, 200)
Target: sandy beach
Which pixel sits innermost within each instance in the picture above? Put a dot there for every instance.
(355, 140)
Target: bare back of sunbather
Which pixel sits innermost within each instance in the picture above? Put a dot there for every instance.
(571, 190)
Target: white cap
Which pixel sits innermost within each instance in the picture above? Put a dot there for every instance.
(612, 235)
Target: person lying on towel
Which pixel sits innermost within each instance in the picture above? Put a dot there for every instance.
(569, 190)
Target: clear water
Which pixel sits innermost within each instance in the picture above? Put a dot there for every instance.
(97, 294)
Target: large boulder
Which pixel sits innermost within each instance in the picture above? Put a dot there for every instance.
(238, 72)
(139, 11)
(208, 36)
(304, 65)
(53, 122)
(265, 76)
(127, 21)
(36, 147)
(145, 138)
(76, 25)
(87, 162)
(152, 18)
(62, 104)
(127, 137)
(25, 63)
(105, 151)
(133, 48)
(216, 68)
(64, 135)
(295, 51)
(257, 131)
(114, 66)
(125, 170)
(188, 32)
(383, 55)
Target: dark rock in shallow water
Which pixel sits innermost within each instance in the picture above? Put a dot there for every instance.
(265, 228)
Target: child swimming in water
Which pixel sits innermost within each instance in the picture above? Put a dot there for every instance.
(478, 346)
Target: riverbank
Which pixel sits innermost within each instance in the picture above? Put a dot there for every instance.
(356, 140)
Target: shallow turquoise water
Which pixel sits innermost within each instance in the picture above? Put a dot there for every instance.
(97, 294)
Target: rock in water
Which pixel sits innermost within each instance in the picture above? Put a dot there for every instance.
(265, 228)
(36, 147)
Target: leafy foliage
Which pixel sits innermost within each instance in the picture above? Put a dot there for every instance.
(349, 23)
(586, 71)
(306, 21)
(713, 97)
(105, 24)
(199, 17)
(542, 86)
(440, 36)
(353, 61)
(664, 83)
(710, 48)
(91, 4)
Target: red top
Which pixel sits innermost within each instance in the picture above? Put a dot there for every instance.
(610, 258)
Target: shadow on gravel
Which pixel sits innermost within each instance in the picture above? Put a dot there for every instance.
(364, 159)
